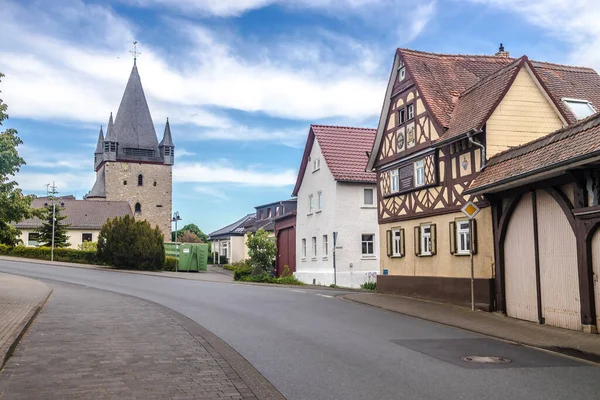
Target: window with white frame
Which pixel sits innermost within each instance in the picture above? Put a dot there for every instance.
(225, 249)
(316, 164)
(310, 203)
(368, 197)
(303, 248)
(394, 180)
(410, 112)
(401, 73)
(396, 244)
(314, 246)
(86, 237)
(426, 240)
(33, 239)
(419, 173)
(368, 244)
(325, 246)
(319, 200)
(580, 108)
(463, 236)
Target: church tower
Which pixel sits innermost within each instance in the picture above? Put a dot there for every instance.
(130, 163)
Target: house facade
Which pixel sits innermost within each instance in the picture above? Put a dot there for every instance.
(84, 219)
(335, 194)
(443, 117)
(544, 199)
(131, 165)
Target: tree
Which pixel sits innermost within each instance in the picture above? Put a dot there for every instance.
(262, 250)
(14, 205)
(194, 229)
(60, 228)
(189, 237)
(129, 244)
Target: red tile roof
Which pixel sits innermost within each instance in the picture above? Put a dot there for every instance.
(344, 150)
(460, 90)
(558, 149)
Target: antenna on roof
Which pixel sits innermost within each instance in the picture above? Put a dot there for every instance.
(134, 52)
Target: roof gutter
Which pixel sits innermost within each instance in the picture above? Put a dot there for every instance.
(470, 135)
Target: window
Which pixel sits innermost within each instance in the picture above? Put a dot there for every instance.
(268, 213)
(310, 204)
(277, 210)
(140, 180)
(368, 197)
(396, 243)
(225, 249)
(325, 246)
(401, 73)
(138, 208)
(33, 239)
(259, 214)
(426, 240)
(419, 173)
(154, 183)
(124, 183)
(401, 116)
(316, 164)
(580, 108)
(410, 112)
(319, 201)
(395, 181)
(368, 244)
(303, 248)
(463, 234)
(314, 246)
(86, 237)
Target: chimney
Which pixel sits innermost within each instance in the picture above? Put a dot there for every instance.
(501, 52)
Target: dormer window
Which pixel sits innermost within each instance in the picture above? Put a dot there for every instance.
(268, 213)
(401, 73)
(277, 211)
(580, 108)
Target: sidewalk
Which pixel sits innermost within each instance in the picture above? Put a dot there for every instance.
(20, 300)
(572, 343)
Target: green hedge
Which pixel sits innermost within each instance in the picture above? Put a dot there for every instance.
(44, 253)
(170, 263)
(244, 272)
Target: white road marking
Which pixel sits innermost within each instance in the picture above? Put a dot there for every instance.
(325, 295)
(298, 291)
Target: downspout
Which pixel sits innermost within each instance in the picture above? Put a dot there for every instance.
(470, 135)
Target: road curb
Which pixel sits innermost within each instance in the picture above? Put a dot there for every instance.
(23, 328)
(570, 352)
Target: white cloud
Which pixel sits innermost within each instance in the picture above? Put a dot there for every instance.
(225, 173)
(216, 194)
(574, 22)
(183, 153)
(43, 158)
(67, 182)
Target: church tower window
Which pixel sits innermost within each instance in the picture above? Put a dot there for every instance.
(140, 180)
(138, 208)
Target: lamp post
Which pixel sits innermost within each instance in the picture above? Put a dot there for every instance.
(53, 198)
(175, 219)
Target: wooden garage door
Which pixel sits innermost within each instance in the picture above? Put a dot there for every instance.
(558, 265)
(596, 266)
(519, 263)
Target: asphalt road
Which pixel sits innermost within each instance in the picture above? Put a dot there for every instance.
(312, 346)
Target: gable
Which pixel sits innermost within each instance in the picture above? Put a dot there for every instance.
(525, 113)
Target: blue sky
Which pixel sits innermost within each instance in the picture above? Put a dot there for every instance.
(241, 80)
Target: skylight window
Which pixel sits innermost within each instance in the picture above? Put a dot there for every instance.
(581, 108)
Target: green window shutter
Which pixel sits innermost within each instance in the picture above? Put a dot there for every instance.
(474, 237)
(417, 241)
(433, 240)
(452, 237)
(402, 250)
(389, 244)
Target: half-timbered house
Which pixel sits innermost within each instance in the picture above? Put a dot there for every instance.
(443, 117)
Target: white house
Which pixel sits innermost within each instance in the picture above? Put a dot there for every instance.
(335, 194)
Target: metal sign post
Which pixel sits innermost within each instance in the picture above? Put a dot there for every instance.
(334, 269)
(471, 210)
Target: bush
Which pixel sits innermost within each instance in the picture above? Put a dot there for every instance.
(262, 250)
(171, 263)
(44, 253)
(229, 267)
(369, 286)
(88, 246)
(129, 244)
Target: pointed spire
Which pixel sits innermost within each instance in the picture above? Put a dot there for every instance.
(167, 139)
(99, 144)
(110, 134)
(133, 126)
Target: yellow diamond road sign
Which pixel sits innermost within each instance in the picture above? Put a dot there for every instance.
(470, 210)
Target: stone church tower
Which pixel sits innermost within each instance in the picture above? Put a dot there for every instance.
(131, 165)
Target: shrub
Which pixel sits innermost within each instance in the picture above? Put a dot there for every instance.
(129, 244)
(262, 250)
(171, 263)
(44, 253)
(229, 267)
(371, 283)
(239, 273)
(88, 246)
(289, 280)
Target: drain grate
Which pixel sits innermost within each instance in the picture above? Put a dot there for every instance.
(486, 359)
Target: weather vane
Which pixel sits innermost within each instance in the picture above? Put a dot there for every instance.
(134, 52)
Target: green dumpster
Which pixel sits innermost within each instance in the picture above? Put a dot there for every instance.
(193, 257)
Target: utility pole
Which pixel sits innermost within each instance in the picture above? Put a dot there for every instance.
(175, 219)
(334, 266)
(53, 194)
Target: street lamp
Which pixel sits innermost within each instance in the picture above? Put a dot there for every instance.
(176, 218)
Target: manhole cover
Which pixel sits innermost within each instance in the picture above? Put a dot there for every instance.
(485, 359)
